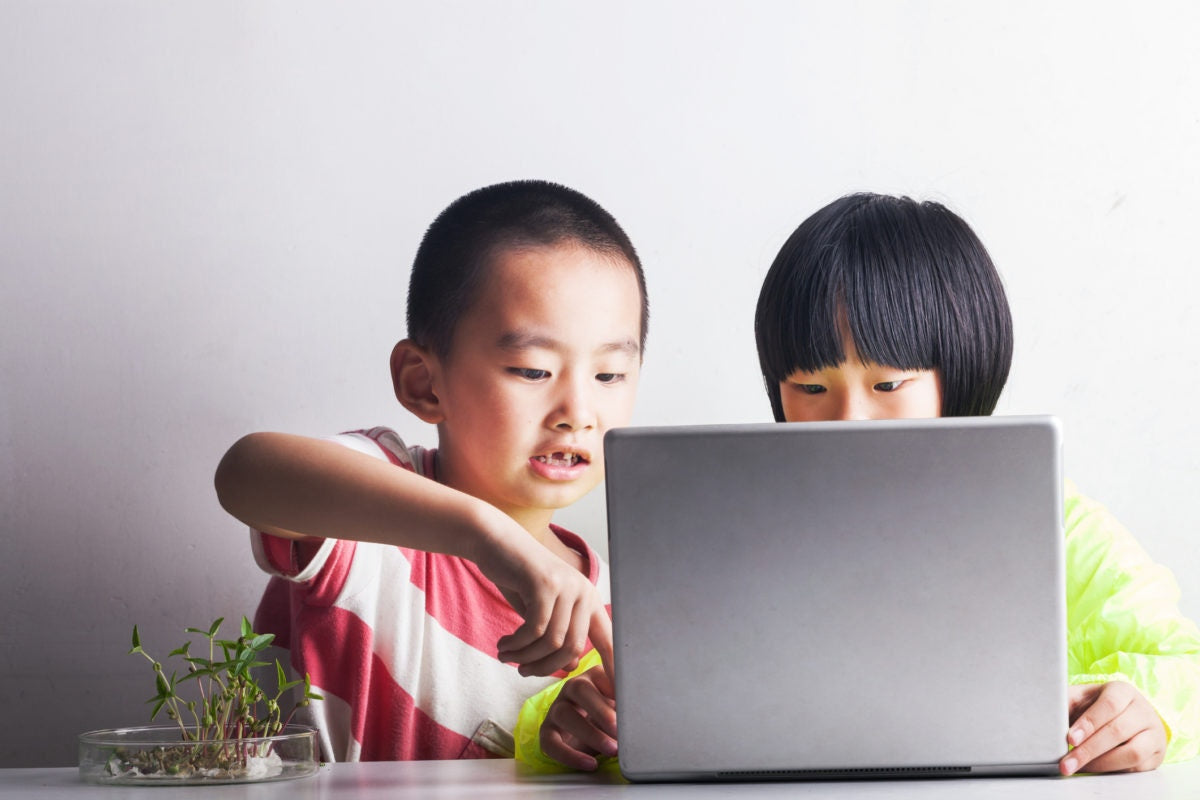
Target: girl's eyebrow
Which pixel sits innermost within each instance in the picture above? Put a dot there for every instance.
(527, 340)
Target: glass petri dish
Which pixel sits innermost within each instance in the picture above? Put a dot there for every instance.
(159, 755)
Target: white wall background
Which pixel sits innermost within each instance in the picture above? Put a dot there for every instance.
(207, 210)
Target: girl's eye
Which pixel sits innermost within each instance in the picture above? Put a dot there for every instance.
(529, 374)
(610, 377)
(810, 388)
(888, 386)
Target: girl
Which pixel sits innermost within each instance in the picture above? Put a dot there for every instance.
(880, 307)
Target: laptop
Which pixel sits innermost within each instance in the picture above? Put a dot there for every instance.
(838, 599)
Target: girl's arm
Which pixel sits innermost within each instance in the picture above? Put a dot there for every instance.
(1124, 623)
(571, 723)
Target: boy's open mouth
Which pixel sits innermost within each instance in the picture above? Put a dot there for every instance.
(561, 459)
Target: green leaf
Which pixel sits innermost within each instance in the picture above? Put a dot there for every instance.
(157, 707)
(216, 626)
(182, 650)
(280, 675)
(196, 630)
(261, 641)
(247, 631)
(137, 640)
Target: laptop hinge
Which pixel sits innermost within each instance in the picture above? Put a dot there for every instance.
(850, 772)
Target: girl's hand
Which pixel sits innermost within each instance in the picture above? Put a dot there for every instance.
(1114, 728)
(582, 722)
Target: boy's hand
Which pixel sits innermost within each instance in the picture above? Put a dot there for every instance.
(582, 722)
(560, 606)
(1114, 728)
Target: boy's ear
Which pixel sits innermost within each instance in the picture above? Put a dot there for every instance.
(413, 368)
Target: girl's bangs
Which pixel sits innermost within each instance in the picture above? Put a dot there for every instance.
(885, 324)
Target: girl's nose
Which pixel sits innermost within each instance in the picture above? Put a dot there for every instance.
(855, 406)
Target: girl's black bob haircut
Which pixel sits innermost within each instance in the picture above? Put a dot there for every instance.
(913, 284)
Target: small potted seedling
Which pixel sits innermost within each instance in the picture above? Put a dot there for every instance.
(227, 729)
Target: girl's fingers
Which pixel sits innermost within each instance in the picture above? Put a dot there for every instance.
(1108, 737)
(1133, 756)
(556, 748)
(598, 710)
(566, 718)
(1113, 729)
(1079, 698)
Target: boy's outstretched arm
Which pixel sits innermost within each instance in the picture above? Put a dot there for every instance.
(297, 487)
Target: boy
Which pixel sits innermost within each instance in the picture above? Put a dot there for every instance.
(400, 573)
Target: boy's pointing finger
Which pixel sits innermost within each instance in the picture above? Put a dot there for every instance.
(600, 632)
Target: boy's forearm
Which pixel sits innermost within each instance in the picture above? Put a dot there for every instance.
(295, 486)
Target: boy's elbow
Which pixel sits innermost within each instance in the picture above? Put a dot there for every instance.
(234, 473)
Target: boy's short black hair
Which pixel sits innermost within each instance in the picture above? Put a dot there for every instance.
(458, 249)
(916, 286)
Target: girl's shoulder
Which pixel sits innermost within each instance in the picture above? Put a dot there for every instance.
(1099, 549)
(1086, 517)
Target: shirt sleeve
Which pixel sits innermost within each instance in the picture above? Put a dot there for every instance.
(527, 733)
(301, 561)
(1124, 622)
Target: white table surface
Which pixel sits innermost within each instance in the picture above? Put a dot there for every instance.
(501, 779)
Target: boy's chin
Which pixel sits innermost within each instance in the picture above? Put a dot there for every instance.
(565, 496)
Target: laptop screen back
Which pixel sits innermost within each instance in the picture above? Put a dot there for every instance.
(859, 598)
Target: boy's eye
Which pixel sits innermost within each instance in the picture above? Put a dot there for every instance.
(529, 374)
(810, 388)
(610, 377)
(888, 386)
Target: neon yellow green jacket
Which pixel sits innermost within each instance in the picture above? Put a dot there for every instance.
(1123, 624)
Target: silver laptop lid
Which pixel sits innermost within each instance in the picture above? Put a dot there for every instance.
(843, 598)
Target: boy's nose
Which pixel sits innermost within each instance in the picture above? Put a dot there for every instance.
(574, 411)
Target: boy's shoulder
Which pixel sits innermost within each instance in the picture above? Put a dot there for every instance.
(304, 561)
(384, 443)
(594, 565)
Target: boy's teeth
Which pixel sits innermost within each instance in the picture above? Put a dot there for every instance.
(560, 459)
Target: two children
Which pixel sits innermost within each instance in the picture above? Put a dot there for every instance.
(881, 307)
(426, 592)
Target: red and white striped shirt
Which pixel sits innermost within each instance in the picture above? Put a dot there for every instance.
(401, 642)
